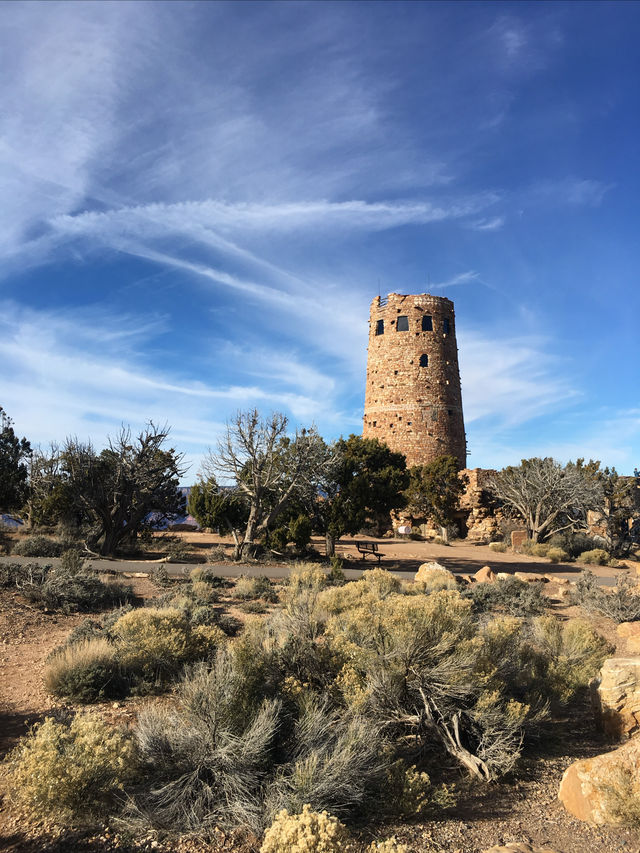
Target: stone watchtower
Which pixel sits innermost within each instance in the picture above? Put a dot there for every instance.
(413, 401)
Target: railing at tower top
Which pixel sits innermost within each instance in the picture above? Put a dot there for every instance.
(383, 301)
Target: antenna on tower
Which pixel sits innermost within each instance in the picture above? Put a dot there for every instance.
(379, 291)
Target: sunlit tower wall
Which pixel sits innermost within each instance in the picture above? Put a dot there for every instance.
(413, 400)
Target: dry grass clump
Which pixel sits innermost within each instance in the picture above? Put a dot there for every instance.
(69, 772)
(88, 671)
(499, 547)
(306, 832)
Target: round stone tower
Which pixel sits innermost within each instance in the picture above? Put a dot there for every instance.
(413, 401)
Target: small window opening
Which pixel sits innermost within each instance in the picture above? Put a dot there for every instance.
(375, 423)
(449, 412)
(427, 323)
(424, 360)
(379, 327)
(395, 372)
(445, 325)
(403, 323)
(408, 423)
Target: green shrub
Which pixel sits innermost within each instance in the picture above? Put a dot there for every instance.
(70, 772)
(37, 546)
(500, 547)
(87, 671)
(557, 555)
(306, 832)
(595, 557)
(507, 595)
(300, 530)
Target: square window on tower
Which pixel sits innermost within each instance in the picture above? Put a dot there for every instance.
(403, 323)
(445, 325)
(427, 323)
(379, 327)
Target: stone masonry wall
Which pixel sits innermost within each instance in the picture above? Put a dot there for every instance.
(413, 400)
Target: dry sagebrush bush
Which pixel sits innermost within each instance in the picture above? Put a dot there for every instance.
(557, 555)
(596, 557)
(248, 588)
(86, 671)
(68, 773)
(158, 642)
(37, 546)
(307, 832)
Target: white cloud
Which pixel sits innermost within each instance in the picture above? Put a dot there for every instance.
(462, 278)
(577, 192)
(510, 380)
(492, 224)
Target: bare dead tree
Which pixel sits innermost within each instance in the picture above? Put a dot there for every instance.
(548, 496)
(265, 467)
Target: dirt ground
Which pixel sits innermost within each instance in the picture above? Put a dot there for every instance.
(520, 809)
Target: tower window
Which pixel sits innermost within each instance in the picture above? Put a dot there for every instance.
(403, 323)
(424, 360)
(379, 327)
(427, 323)
(445, 325)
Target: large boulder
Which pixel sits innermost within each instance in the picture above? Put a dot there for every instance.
(587, 785)
(485, 575)
(433, 576)
(630, 633)
(616, 697)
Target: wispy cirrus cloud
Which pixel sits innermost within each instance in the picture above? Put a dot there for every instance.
(511, 380)
(468, 277)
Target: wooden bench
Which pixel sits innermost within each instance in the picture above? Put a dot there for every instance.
(366, 548)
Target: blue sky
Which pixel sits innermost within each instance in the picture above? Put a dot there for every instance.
(200, 200)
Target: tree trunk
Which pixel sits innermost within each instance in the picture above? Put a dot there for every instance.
(330, 545)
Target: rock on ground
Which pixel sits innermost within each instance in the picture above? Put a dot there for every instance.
(586, 785)
(616, 697)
